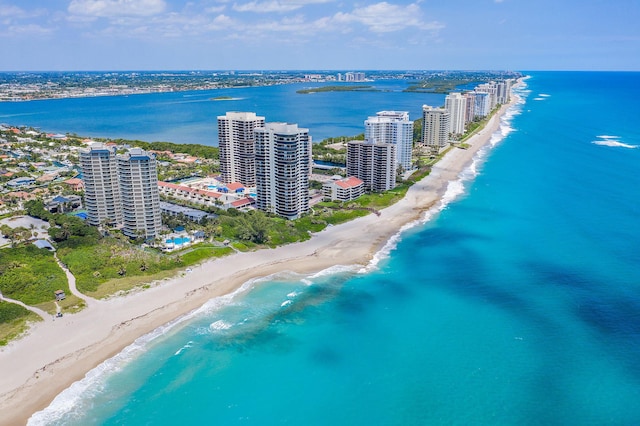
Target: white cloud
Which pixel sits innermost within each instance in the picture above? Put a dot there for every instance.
(214, 9)
(274, 5)
(29, 29)
(11, 11)
(384, 17)
(112, 8)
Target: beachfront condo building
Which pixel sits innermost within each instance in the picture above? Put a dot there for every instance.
(456, 104)
(138, 177)
(483, 104)
(392, 127)
(283, 160)
(121, 190)
(491, 89)
(101, 185)
(470, 107)
(435, 128)
(373, 163)
(237, 146)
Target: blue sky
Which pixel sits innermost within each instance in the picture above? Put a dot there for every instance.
(319, 34)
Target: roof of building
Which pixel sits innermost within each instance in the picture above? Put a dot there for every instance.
(350, 182)
(73, 181)
(242, 202)
(43, 244)
(234, 186)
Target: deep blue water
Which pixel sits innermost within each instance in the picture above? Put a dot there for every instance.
(517, 304)
(191, 117)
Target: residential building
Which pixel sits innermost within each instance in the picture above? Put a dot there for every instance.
(491, 89)
(138, 176)
(373, 163)
(483, 104)
(392, 127)
(470, 107)
(237, 146)
(346, 189)
(435, 128)
(456, 104)
(283, 159)
(101, 184)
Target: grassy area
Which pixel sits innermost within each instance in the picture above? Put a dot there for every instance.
(203, 252)
(112, 259)
(69, 305)
(30, 274)
(14, 321)
(125, 284)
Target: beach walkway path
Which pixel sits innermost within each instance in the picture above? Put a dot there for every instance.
(44, 315)
(89, 301)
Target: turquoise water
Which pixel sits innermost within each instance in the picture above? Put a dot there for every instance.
(518, 303)
(190, 117)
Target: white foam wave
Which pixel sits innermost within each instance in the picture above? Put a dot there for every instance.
(293, 294)
(538, 99)
(220, 325)
(336, 269)
(608, 137)
(544, 95)
(185, 347)
(614, 144)
(286, 303)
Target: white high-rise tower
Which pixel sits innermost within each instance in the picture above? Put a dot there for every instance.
(237, 146)
(393, 127)
(283, 158)
(456, 104)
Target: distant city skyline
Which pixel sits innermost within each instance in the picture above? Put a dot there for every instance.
(39, 35)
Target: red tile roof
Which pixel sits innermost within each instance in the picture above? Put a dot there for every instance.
(234, 185)
(350, 182)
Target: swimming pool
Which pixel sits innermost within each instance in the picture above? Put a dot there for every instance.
(178, 240)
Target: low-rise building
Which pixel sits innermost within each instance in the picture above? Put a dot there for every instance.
(346, 189)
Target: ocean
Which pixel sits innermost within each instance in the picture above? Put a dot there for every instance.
(516, 301)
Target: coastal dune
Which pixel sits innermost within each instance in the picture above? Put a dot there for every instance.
(57, 353)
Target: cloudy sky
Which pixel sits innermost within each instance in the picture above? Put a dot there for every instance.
(319, 34)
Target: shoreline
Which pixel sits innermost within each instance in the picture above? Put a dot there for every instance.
(36, 368)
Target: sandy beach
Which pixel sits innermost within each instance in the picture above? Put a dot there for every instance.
(57, 353)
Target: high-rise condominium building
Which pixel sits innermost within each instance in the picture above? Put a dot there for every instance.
(470, 107)
(491, 89)
(456, 104)
(483, 104)
(121, 190)
(237, 146)
(283, 159)
(392, 127)
(101, 185)
(372, 162)
(435, 127)
(138, 176)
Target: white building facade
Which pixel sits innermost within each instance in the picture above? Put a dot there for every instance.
(237, 146)
(283, 159)
(456, 104)
(393, 127)
(101, 185)
(138, 176)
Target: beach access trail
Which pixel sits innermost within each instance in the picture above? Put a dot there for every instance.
(57, 353)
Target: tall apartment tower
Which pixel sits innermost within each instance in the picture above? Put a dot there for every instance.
(102, 187)
(392, 127)
(456, 104)
(470, 107)
(483, 104)
(435, 127)
(372, 162)
(283, 159)
(237, 146)
(138, 176)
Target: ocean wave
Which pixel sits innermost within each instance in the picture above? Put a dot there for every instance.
(614, 144)
(544, 95)
(539, 99)
(220, 325)
(608, 137)
(286, 303)
(185, 347)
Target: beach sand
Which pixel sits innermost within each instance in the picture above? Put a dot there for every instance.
(55, 354)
